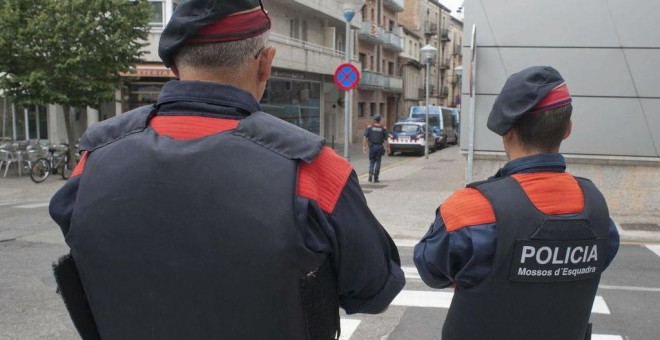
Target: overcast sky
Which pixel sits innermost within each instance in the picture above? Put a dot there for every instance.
(453, 5)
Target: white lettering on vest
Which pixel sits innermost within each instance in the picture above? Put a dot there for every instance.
(527, 251)
(547, 258)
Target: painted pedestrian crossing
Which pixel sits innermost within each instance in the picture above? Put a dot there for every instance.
(442, 299)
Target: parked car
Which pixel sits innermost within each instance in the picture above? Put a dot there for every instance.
(443, 121)
(410, 136)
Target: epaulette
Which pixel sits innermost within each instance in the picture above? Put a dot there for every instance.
(466, 207)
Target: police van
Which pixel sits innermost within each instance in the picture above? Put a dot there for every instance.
(443, 121)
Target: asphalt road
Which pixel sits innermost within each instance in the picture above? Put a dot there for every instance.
(404, 202)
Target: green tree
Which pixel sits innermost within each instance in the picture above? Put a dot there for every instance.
(69, 52)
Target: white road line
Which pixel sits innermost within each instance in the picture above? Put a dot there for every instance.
(33, 205)
(411, 273)
(600, 306)
(405, 242)
(654, 248)
(633, 288)
(605, 337)
(418, 298)
(348, 326)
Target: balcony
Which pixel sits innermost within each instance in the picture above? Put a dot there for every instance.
(432, 92)
(301, 55)
(376, 35)
(431, 29)
(444, 63)
(394, 5)
(373, 80)
(445, 92)
(392, 41)
(370, 32)
(444, 35)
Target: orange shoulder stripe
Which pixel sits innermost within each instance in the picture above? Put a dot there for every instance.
(465, 208)
(191, 127)
(552, 193)
(324, 178)
(81, 165)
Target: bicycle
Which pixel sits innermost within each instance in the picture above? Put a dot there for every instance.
(54, 163)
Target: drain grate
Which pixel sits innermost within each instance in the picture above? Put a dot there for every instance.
(640, 226)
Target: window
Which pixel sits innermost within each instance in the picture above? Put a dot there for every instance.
(157, 13)
(363, 60)
(382, 109)
(372, 111)
(361, 109)
(390, 68)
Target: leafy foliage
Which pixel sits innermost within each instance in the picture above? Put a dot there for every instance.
(69, 52)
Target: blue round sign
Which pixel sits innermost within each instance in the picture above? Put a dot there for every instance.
(347, 76)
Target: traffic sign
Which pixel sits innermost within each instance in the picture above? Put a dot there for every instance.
(347, 76)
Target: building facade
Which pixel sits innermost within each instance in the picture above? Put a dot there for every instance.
(310, 38)
(610, 58)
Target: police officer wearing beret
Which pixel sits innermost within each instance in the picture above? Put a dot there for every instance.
(201, 217)
(524, 249)
(375, 136)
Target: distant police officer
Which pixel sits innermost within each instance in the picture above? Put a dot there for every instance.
(526, 248)
(375, 136)
(201, 217)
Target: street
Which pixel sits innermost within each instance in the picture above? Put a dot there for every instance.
(410, 190)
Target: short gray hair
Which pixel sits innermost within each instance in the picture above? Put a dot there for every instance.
(231, 54)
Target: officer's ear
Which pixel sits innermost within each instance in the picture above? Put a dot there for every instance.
(265, 63)
(568, 130)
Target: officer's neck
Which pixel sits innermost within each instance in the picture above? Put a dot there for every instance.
(515, 149)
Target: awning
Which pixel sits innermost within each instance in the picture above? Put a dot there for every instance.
(155, 70)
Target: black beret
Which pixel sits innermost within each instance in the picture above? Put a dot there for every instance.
(193, 15)
(521, 94)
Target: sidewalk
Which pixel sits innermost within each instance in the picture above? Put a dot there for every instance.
(405, 200)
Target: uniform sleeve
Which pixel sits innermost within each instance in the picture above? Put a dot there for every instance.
(368, 264)
(61, 204)
(614, 243)
(463, 256)
(339, 223)
(366, 132)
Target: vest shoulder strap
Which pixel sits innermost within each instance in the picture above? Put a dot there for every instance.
(110, 130)
(285, 139)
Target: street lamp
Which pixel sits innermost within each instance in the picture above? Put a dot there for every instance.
(350, 7)
(428, 52)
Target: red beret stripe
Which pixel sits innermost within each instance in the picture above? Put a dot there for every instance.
(557, 97)
(234, 27)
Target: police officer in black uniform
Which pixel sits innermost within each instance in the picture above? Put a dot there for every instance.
(202, 217)
(526, 248)
(375, 136)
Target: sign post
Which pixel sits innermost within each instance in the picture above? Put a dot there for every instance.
(347, 77)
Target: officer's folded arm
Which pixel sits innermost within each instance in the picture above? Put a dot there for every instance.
(368, 265)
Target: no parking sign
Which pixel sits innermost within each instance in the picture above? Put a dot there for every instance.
(347, 76)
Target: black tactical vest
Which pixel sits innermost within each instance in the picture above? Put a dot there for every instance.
(198, 239)
(545, 272)
(376, 134)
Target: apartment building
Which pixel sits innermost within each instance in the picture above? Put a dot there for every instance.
(454, 52)
(379, 45)
(412, 72)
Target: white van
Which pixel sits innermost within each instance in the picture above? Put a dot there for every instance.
(442, 120)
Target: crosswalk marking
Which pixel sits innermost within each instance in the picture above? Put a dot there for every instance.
(600, 306)
(411, 273)
(405, 242)
(33, 205)
(348, 327)
(605, 337)
(418, 298)
(654, 248)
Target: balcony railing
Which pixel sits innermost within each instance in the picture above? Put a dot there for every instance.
(283, 39)
(431, 29)
(395, 5)
(370, 32)
(444, 63)
(444, 35)
(376, 35)
(369, 79)
(392, 41)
